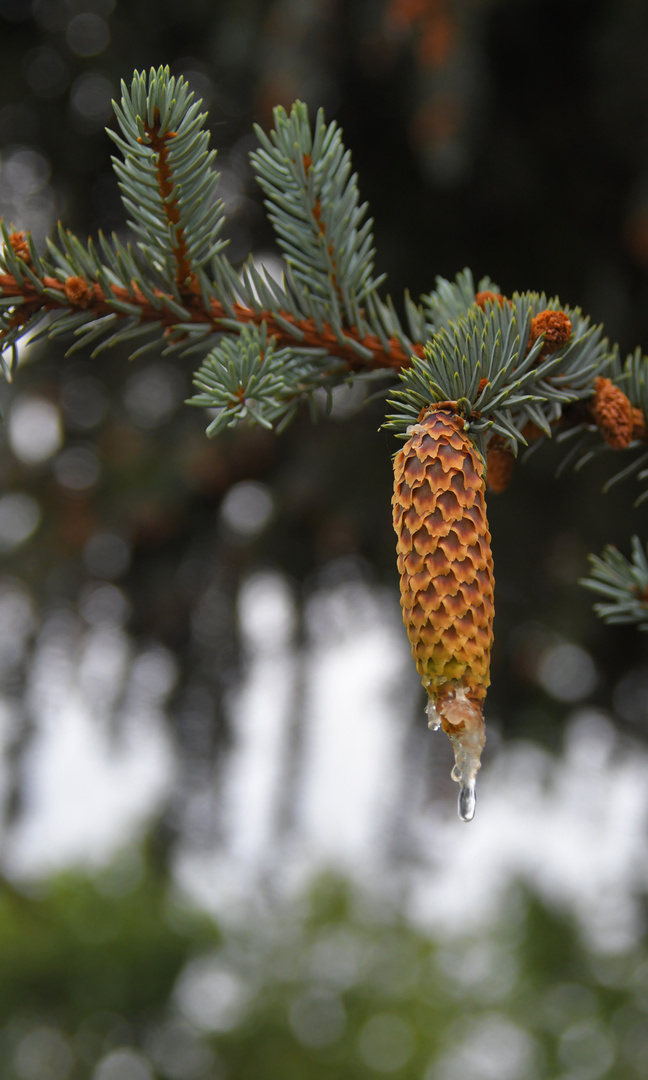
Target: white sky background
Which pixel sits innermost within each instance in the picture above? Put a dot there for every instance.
(361, 802)
(89, 783)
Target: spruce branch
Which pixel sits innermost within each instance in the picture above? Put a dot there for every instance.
(623, 583)
(176, 279)
(614, 418)
(167, 177)
(450, 300)
(155, 306)
(502, 362)
(249, 377)
(495, 362)
(313, 203)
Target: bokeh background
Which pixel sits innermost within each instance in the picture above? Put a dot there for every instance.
(229, 844)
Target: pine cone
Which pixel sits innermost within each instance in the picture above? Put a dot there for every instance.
(446, 567)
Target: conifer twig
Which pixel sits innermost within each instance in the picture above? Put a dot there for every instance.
(623, 583)
(97, 304)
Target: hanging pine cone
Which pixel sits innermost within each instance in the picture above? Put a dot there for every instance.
(446, 567)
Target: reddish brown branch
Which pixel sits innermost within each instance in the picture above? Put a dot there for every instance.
(321, 225)
(184, 277)
(76, 292)
(93, 299)
(90, 297)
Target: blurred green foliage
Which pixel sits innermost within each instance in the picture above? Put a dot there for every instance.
(337, 984)
(74, 950)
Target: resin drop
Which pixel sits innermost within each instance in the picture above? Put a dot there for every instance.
(467, 800)
(434, 719)
(463, 723)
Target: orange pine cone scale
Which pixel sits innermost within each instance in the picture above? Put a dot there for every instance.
(447, 584)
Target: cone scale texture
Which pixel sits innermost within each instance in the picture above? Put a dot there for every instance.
(447, 584)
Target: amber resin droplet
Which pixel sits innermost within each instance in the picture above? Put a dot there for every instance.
(447, 583)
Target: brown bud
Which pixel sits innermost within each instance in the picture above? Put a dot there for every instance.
(19, 243)
(612, 413)
(78, 291)
(482, 297)
(500, 462)
(556, 327)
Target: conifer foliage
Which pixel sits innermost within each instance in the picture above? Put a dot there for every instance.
(473, 375)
